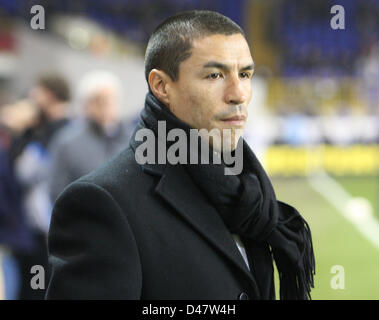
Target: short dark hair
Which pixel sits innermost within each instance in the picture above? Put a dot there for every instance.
(56, 84)
(171, 42)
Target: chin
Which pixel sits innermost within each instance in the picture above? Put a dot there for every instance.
(231, 140)
(223, 139)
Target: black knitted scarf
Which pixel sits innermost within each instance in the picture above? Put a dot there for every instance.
(248, 206)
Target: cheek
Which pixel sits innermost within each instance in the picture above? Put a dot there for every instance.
(196, 104)
(202, 108)
(248, 91)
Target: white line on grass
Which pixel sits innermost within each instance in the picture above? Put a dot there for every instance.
(358, 211)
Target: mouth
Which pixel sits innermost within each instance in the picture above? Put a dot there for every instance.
(237, 120)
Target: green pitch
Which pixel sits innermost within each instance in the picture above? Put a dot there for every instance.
(336, 241)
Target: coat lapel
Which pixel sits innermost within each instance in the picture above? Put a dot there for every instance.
(177, 188)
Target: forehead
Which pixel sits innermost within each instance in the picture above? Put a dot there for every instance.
(232, 50)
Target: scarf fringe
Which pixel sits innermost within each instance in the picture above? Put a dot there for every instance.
(296, 283)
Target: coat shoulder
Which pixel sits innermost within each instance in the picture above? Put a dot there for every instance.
(122, 177)
(121, 170)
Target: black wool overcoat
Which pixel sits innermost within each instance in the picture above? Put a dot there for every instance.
(131, 231)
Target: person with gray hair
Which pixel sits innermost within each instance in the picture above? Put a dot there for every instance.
(83, 147)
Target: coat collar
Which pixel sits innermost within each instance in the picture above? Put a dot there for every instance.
(177, 188)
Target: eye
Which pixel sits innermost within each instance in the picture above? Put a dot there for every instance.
(214, 75)
(245, 75)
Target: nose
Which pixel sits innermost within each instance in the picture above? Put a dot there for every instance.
(236, 92)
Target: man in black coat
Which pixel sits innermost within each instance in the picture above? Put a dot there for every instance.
(154, 223)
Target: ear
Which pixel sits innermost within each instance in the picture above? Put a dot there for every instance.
(159, 83)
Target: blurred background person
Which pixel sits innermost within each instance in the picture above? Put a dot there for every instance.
(29, 152)
(15, 118)
(83, 147)
(50, 95)
(15, 232)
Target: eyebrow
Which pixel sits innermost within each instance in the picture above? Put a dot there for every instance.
(222, 66)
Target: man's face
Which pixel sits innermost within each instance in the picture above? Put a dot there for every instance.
(214, 85)
(42, 98)
(103, 107)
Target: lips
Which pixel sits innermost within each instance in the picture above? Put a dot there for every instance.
(235, 121)
(235, 118)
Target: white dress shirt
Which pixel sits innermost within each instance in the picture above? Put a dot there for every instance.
(241, 248)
